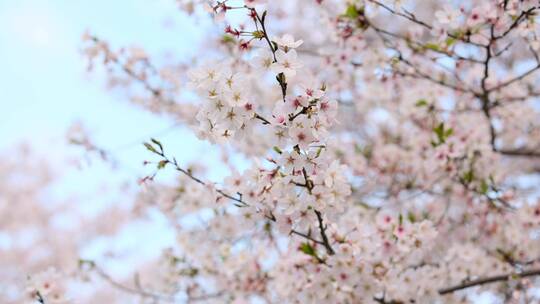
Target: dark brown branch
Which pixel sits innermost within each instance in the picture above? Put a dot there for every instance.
(519, 152)
(322, 230)
(489, 280)
(487, 105)
(303, 111)
(40, 298)
(524, 15)
(384, 301)
(264, 120)
(307, 236)
(281, 77)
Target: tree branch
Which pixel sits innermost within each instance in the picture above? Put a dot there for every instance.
(518, 78)
(240, 202)
(140, 292)
(307, 236)
(487, 105)
(489, 280)
(322, 230)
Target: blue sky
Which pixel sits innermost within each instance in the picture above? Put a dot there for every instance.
(44, 88)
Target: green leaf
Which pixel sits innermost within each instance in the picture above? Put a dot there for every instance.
(319, 152)
(363, 205)
(190, 272)
(442, 134)
(458, 34)
(484, 187)
(449, 41)
(277, 149)
(267, 227)
(308, 249)
(411, 217)
(439, 129)
(228, 39)
(150, 148)
(468, 177)
(155, 141)
(351, 12)
(432, 46)
(421, 103)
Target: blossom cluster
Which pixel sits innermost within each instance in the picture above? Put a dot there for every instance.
(389, 154)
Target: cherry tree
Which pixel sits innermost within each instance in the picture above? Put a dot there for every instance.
(393, 153)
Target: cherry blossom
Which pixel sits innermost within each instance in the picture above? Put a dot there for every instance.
(373, 152)
(287, 63)
(287, 42)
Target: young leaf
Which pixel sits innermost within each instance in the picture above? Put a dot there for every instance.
(449, 41)
(411, 217)
(421, 103)
(442, 134)
(484, 187)
(150, 148)
(308, 249)
(351, 12)
(432, 46)
(155, 141)
(468, 177)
